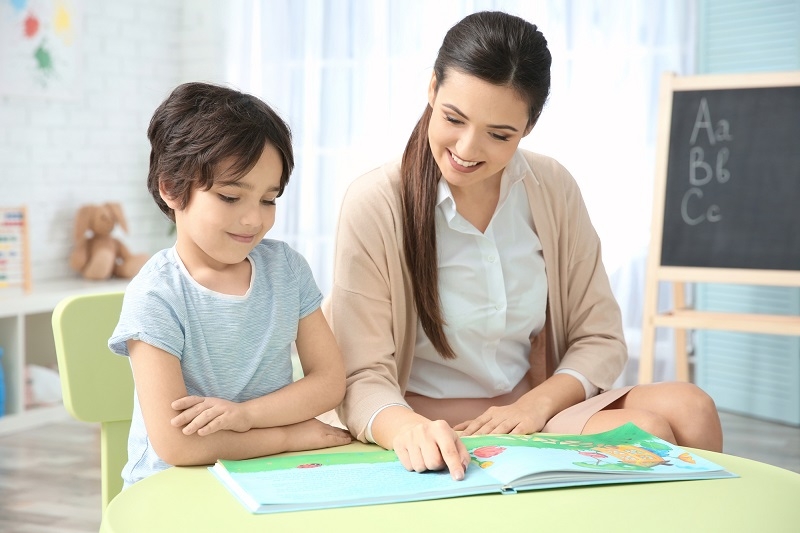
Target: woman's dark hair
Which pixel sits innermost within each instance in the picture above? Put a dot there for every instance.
(501, 49)
(197, 127)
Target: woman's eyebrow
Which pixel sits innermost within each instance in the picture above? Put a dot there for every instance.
(493, 126)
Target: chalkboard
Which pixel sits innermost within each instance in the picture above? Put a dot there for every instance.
(726, 202)
(732, 197)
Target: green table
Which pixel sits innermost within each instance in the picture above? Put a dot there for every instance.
(764, 499)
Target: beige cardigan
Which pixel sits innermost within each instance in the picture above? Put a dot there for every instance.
(371, 307)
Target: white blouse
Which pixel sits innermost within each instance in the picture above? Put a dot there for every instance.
(493, 290)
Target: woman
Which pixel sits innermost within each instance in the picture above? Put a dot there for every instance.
(469, 293)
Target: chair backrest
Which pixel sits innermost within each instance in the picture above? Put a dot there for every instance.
(97, 384)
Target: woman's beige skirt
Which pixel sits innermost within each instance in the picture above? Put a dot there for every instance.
(571, 421)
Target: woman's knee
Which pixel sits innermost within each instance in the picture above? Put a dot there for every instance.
(672, 399)
(697, 423)
(683, 412)
(693, 402)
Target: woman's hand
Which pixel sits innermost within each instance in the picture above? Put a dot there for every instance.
(431, 445)
(531, 411)
(205, 416)
(514, 419)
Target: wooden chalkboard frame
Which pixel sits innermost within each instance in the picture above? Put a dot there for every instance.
(681, 318)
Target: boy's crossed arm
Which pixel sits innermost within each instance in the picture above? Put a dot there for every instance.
(187, 430)
(320, 390)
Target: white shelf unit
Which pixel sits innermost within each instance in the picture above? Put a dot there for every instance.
(26, 336)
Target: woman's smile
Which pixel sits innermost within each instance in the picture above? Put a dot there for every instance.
(463, 165)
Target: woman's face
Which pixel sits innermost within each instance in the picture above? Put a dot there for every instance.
(474, 130)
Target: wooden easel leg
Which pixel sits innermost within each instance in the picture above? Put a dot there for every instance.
(646, 352)
(646, 355)
(681, 357)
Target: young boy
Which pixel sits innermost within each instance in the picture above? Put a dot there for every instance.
(208, 324)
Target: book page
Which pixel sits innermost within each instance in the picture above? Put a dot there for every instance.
(623, 454)
(316, 482)
(499, 463)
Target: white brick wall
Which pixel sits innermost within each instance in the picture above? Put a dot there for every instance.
(56, 155)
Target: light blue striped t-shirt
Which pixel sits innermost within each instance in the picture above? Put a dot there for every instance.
(231, 347)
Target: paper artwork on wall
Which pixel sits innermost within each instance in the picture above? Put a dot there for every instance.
(39, 52)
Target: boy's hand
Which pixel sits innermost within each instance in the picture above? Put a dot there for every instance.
(314, 434)
(205, 416)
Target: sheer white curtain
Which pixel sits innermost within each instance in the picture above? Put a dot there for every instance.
(350, 77)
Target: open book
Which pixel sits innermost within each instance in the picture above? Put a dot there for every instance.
(500, 464)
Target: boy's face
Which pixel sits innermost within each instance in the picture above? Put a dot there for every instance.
(220, 226)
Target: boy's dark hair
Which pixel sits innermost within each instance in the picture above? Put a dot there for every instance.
(197, 127)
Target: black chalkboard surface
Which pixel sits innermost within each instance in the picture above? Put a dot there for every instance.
(732, 197)
(726, 202)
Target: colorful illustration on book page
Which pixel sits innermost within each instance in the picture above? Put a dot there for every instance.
(624, 449)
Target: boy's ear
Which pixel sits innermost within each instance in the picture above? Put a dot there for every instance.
(168, 199)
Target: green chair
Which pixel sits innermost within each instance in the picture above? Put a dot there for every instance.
(97, 384)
